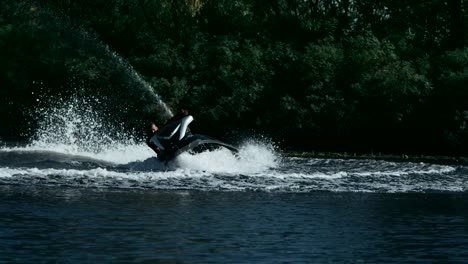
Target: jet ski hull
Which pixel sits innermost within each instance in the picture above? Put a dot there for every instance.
(194, 144)
(175, 138)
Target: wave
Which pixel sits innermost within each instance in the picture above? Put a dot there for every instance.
(119, 153)
(73, 148)
(219, 175)
(252, 158)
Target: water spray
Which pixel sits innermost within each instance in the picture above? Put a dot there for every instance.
(84, 38)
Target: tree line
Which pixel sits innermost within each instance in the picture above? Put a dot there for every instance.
(332, 75)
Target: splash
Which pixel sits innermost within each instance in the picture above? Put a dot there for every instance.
(253, 157)
(142, 84)
(81, 38)
(102, 48)
(73, 127)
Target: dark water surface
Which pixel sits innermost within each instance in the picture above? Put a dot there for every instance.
(43, 224)
(76, 194)
(60, 204)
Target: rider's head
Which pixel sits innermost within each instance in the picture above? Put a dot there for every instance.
(153, 128)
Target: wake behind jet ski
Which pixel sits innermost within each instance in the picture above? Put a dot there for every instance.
(175, 138)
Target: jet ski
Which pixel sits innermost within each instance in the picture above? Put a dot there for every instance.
(175, 138)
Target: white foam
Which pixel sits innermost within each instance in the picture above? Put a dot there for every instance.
(99, 173)
(7, 172)
(189, 178)
(119, 153)
(252, 158)
(72, 126)
(319, 175)
(433, 169)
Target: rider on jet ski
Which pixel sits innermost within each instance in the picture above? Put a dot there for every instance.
(153, 142)
(153, 130)
(174, 138)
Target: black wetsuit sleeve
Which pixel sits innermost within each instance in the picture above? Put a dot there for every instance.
(148, 142)
(151, 145)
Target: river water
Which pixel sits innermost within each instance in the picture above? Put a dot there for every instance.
(77, 194)
(68, 205)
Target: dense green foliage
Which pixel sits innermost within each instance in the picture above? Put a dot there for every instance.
(343, 75)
